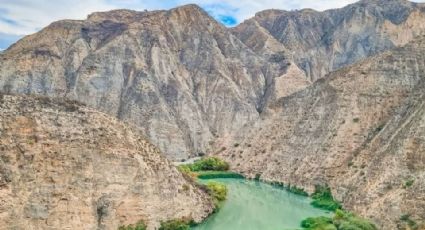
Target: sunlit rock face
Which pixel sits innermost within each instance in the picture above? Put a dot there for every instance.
(64, 166)
(179, 75)
(187, 80)
(321, 42)
(360, 130)
(298, 92)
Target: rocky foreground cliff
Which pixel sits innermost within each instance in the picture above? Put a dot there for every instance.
(187, 80)
(360, 130)
(64, 166)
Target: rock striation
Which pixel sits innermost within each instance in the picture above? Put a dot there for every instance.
(360, 130)
(321, 42)
(64, 166)
(181, 76)
(301, 97)
(187, 80)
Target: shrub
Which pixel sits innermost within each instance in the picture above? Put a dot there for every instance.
(184, 169)
(341, 221)
(175, 225)
(348, 221)
(138, 226)
(412, 224)
(209, 164)
(322, 198)
(408, 183)
(318, 223)
(217, 190)
(186, 187)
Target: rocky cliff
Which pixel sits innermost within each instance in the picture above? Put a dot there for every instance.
(193, 85)
(64, 166)
(178, 74)
(185, 79)
(320, 42)
(360, 130)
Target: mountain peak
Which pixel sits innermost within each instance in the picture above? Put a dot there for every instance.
(190, 7)
(114, 15)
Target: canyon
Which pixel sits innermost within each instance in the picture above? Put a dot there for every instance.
(300, 97)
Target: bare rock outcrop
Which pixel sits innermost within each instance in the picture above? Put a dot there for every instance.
(360, 130)
(179, 75)
(321, 42)
(64, 166)
(184, 78)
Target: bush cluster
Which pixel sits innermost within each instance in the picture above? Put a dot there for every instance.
(217, 190)
(175, 225)
(341, 221)
(208, 164)
(322, 198)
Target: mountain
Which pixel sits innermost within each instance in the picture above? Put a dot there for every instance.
(180, 75)
(321, 42)
(301, 97)
(360, 130)
(187, 80)
(64, 166)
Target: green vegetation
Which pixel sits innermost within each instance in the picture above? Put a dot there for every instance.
(318, 223)
(356, 120)
(138, 226)
(411, 223)
(341, 221)
(208, 168)
(175, 225)
(207, 164)
(322, 198)
(218, 191)
(217, 174)
(408, 183)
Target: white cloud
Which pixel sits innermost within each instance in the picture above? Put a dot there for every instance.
(32, 15)
(21, 17)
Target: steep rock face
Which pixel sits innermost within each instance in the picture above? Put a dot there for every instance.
(63, 166)
(361, 130)
(178, 74)
(320, 42)
(185, 79)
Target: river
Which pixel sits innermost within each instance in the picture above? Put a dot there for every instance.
(254, 205)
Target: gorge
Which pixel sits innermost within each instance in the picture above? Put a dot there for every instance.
(298, 97)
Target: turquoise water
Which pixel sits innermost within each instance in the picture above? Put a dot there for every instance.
(253, 205)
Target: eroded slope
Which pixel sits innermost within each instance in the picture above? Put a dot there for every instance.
(361, 130)
(63, 166)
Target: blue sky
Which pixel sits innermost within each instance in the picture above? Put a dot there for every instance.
(22, 17)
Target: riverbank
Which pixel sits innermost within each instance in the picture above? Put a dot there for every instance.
(216, 172)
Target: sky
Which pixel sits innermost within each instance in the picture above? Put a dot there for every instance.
(22, 17)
